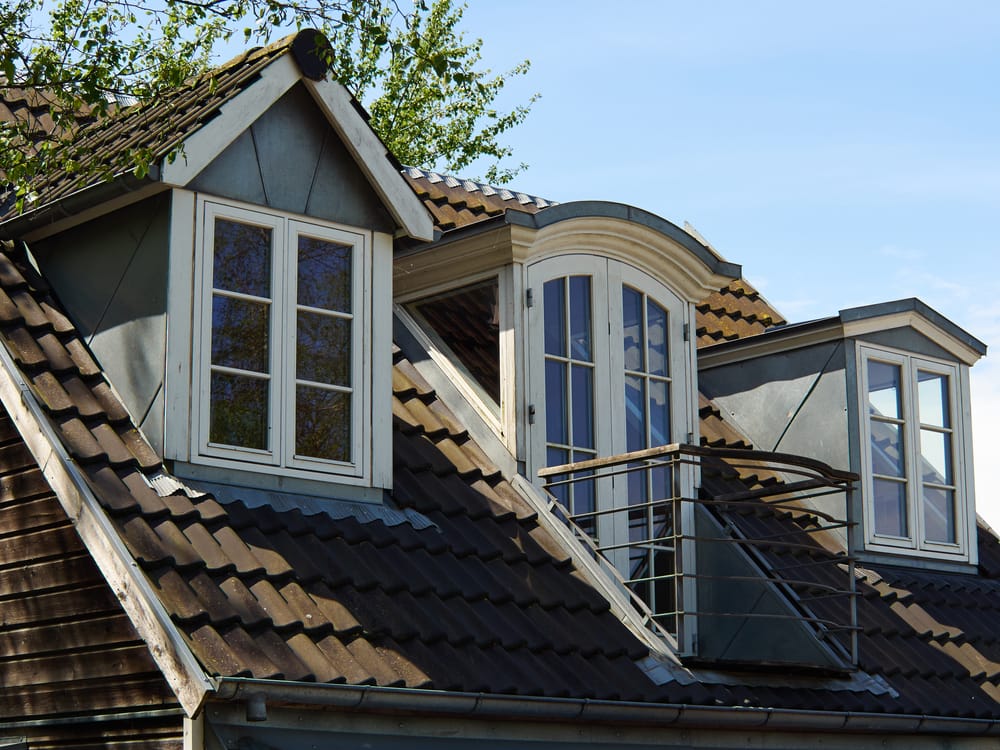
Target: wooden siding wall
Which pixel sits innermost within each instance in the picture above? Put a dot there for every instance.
(73, 671)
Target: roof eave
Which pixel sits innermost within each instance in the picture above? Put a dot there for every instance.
(84, 205)
(182, 671)
(635, 236)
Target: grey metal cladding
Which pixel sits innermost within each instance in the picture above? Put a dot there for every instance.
(112, 273)
(292, 159)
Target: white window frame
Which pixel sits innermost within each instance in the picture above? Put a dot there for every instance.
(914, 543)
(280, 457)
(609, 277)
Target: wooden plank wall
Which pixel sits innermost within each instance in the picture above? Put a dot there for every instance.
(69, 658)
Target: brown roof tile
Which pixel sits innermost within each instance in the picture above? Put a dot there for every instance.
(478, 598)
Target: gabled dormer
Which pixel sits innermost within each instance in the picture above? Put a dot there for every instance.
(239, 294)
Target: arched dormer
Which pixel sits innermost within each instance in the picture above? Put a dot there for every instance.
(570, 329)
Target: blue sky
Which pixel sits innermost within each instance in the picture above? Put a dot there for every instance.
(844, 153)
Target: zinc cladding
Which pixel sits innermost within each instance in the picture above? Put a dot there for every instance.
(479, 598)
(734, 311)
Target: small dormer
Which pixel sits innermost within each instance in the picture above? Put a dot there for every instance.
(882, 389)
(239, 297)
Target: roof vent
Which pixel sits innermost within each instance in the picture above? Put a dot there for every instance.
(310, 50)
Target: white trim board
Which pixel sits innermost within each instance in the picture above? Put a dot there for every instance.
(239, 113)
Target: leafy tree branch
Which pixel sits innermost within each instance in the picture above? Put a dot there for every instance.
(65, 63)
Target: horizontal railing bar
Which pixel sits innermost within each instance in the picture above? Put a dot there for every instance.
(792, 496)
(741, 454)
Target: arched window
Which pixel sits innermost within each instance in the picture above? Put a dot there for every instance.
(609, 374)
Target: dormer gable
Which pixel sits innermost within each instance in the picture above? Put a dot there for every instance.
(240, 293)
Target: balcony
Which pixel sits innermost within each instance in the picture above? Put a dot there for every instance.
(734, 556)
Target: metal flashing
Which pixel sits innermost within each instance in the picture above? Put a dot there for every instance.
(612, 210)
(913, 304)
(850, 322)
(312, 506)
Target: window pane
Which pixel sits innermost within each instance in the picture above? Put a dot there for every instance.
(635, 413)
(324, 274)
(935, 457)
(939, 515)
(656, 337)
(890, 508)
(579, 317)
(932, 398)
(468, 320)
(584, 500)
(555, 317)
(659, 412)
(242, 258)
(583, 406)
(323, 349)
(632, 328)
(322, 423)
(240, 333)
(887, 449)
(883, 389)
(239, 411)
(558, 457)
(556, 426)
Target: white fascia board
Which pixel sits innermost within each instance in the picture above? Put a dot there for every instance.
(912, 319)
(793, 337)
(372, 158)
(239, 113)
(135, 593)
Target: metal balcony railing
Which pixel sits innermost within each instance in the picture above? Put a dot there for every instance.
(660, 521)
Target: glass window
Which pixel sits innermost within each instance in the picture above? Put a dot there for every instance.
(607, 365)
(280, 329)
(467, 320)
(913, 492)
(569, 386)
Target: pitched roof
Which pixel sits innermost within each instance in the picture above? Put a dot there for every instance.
(155, 127)
(456, 587)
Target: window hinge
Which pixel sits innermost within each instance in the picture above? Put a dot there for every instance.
(690, 439)
(687, 331)
(531, 413)
(529, 297)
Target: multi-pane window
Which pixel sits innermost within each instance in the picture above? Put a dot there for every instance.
(647, 424)
(281, 365)
(606, 358)
(913, 489)
(569, 386)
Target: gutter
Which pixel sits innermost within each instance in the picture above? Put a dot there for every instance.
(72, 206)
(481, 705)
